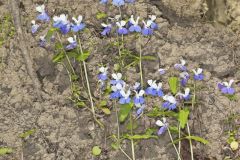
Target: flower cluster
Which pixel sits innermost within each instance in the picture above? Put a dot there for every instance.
(226, 87)
(60, 22)
(117, 3)
(131, 26)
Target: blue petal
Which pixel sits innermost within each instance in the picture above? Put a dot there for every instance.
(166, 105)
(115, 95)
(79, 27)
(118, 3)
(147, 31)
(160, 93)
(199, 77)
(151, 91)
(129, 1)
(140, 110)
(106, 31)
(103, 1)
(172, 107)
(65, 28)
(34, 28)
(71, 46)
(43, 17)
(183, 82)
(162, 130)
(231, 91)
(122, 31)
(102, 76)
(135, 28)
(154, 25)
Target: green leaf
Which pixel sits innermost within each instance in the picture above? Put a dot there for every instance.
(80, 104)
(150, 58)
(173, 129)
(5, 150)
(96, 150)
(139, 136)
(27, 133)
(115, 146)
(58, 57)
(83, 56)
(103, 103)
(132, 126)
(101, 15)
(183, 117)
(124, 111)
(199, 139)
(174, 84)
(106, 111)
(50, 33)
(156, 112)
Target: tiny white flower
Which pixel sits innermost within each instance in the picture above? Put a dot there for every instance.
(79, 20)
(117, 76)
(40, 8)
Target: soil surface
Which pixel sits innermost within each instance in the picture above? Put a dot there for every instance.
(64, 132)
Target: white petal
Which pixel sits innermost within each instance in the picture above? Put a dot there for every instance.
(230, 83)
(171, 99)
(102, 69)
(153, 17)
(164, 120)
(122, 23)
(119, 86)
(150, 82)
(118, 24)
(117, 17)
(33, 22)
(187, 91)
(159, 85)
(165, 97)
(104, 25)
(141, 92)
(149, 22)
(80, 18)
(194, 71)
(40, 8)
(183, 62)
(70, 40)
(119, 76)
(199, 71)
(159, 123)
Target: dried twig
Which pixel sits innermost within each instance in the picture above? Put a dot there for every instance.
(14, 4)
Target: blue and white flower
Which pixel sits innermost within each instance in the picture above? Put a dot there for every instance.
(139, 99)
(34, 27)
(226, 88)
(42, 41)
(184, 76)
(134, 25)
(151, 90)
(118, 3)
(62, 23)
(163, 126)
(170, 102)
(72, 43)
(107, 29)
(117, 78)
(103, 71)
(103, 1)
(198, 74)
(136, 86)
(125, 97)
(162, 71)
(121, 29)
(181, 66)
(43, 16)
(147, 30)
(186, 96)
(116, 91)
(79, 25)
(140, 108)
(152, 22)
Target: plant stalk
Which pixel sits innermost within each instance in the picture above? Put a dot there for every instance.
(140, 62)
(132, 142)
(179, 157)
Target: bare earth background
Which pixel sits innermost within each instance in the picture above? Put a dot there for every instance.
(67, 133)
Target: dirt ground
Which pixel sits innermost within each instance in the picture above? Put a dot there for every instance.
(65, 132)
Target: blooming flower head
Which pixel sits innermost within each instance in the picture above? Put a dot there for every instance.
(125, 99)
(151, 90)
(147, 30)
(136, 86)
(198, 75)
(103, 73)
(153, 25)
(79, 25)
(159, 89)
(116, 91)
(103, 1)
(121, 29)
(163, 126)
(43, 16)
(118, 3)
(184, 76)
(62, 23)
(186, 95)
(107, 29)
(72, 43)
(226, 88)
(42, 41)
(34, 26)
(181, 66)
(117, 78)
(140, 108)
(134, 25)
(170, 102)
(161, 71)
(139, 99)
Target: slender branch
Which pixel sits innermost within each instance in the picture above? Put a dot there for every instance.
(125, 153)
(14, 5)
(140, 61)
(179, 157)
(132, 142)
(190, 142)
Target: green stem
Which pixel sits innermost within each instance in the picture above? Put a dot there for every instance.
(179, 157)
(118, 130)
(140, 62)
(125, 153)
(179, 137)
(132, 141)
(190, 142)
(88, 85)
(68, 60)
